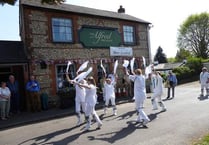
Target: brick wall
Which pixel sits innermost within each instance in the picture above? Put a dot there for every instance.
(40, 46)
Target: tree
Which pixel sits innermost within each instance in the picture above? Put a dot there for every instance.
(193, 35)
(12, 2)
(160, 56)
(182, 54)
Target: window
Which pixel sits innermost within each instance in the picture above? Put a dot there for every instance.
(62, 30)
(62, 83)
(128, 35)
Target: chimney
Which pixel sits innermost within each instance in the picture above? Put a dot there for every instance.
(121, 9)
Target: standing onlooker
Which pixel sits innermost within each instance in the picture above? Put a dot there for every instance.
(171, 78)
(13, 86)
(204, 81)
(4, 101)
(91, 90)
(139, 94)
(157, 92)
(33, 98)
(109, 91)
(80, 94)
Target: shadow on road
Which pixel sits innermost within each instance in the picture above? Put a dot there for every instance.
(112, 137)
(45, 138)
(153, 116)
(132, 125)
(126, 115)
(202, 98)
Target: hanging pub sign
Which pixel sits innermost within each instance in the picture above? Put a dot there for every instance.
(99, 37)
(121, 51)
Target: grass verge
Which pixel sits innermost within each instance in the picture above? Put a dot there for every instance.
(202, 141)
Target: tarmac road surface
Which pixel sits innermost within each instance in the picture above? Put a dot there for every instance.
(186, 119)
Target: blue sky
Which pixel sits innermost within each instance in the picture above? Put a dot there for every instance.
(165, 15)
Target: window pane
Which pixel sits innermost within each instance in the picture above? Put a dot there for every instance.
(69, 37)
(128, 33)
(62, 82)
(62, 30)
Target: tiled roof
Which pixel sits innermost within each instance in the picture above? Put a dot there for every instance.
(167, 66)
(12, 52)
(84, 10)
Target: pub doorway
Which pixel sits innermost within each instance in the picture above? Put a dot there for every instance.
(19, 74)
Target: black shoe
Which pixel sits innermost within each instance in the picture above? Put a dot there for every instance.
(168, 98)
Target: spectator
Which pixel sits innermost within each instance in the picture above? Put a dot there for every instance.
(204, 78)
(13, 86)
(4, 101)
(171, 78)
(33, 98)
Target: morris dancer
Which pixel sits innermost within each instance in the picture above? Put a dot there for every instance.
(90, 102)
(79, 99)
(109, 91)
(157, 92)
(139, 94)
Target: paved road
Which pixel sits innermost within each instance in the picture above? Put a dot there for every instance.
(187, 118)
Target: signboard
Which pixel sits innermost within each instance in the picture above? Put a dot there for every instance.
(121, 51)
(99, 37)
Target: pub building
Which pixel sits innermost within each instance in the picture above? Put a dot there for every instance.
(56, 34)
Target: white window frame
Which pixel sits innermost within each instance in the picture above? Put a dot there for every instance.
(62, 30)
(128, 35)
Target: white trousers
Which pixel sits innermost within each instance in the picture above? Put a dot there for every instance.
(90, 110)
(156, 97)
(139, 107)
(107, 101)
(204, 86)
(80, 105)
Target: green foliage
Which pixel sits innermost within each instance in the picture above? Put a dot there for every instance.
(195, 64)
(10, 2)
(193, 35)
(182, 54)
(190, 70)
(205, 60)
(164, 76)
(183, 72)
(204, 141)
(172, 60)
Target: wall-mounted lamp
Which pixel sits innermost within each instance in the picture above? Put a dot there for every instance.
(43, 64)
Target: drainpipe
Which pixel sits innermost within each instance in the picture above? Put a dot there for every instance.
(149, 44)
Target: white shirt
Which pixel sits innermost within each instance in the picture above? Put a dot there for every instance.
(91, 95)
(109, 90)
(204, 76)
(6, 92)
(158, 84)
(80, 93)
(139, 86)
